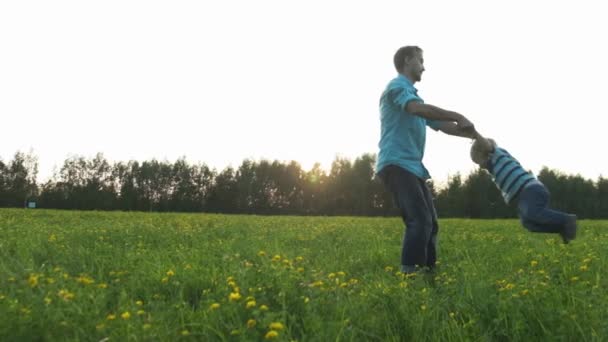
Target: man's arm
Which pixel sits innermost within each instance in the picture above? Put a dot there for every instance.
(431, 112)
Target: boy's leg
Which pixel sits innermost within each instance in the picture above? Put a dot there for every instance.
(535, 214)
(409, 196)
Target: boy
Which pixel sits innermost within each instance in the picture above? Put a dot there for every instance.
(521, 187)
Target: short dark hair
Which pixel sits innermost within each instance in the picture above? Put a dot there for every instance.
(402, 53)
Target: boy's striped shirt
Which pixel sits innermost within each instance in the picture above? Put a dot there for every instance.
(508, 174)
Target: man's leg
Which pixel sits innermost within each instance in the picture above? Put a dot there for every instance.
(409, 196)
(431, 253)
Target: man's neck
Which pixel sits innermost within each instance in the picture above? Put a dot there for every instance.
(408, 76)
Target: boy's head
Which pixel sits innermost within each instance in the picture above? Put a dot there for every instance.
(481, 150)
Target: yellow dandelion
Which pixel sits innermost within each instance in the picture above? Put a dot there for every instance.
(47, 300)
(185, 332)
(299, 258)
(276, 326)
(341, 274)
(102, 286)
(170, 273)
(230, 278)
(251, 323)
(331, 275)
(452, 315)
(525, 292)
(214, 306)
(85, 280)
(140, 312)
(234, 296)
(125, 315)
(271, 335)
(584, 268)
(263, 307)
(139, 303)
(111, 317)
(262, 253)
(422, 307)
(33, 280)
(65, 294)
(276, 258)
(317, 283)
(533, 263)
(250, 304)
(573, 279)
(306, 300)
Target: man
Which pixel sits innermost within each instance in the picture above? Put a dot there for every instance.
(403, 118)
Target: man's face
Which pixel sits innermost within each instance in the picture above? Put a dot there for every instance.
(415, 65)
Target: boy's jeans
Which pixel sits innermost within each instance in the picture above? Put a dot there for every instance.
(534, 212)
(414, 200)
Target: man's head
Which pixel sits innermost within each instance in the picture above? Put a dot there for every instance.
(409, 62)
(481, 150)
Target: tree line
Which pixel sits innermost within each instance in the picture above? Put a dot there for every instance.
(267, 188)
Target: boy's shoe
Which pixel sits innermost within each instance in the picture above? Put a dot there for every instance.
(568, 233)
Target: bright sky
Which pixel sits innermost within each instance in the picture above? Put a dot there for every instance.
(221, 81)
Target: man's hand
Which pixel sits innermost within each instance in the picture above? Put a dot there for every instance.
(452, 128)
(465, 125)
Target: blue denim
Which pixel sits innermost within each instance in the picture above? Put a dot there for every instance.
(415, 202)
(534, 211)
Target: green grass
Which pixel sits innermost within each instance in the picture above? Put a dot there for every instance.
(87, 276)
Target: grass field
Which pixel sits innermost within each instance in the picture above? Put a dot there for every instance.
(91, 276)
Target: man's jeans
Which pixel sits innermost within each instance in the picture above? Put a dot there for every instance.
(534, 212)
(414, 200)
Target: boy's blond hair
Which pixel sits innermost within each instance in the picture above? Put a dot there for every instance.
(481, 150)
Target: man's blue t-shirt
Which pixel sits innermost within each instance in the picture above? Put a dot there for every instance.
(402, 134)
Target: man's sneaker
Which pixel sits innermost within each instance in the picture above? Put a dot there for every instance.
(568, 233)
(409, 269)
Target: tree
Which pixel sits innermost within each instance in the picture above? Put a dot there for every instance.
(223, 192)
